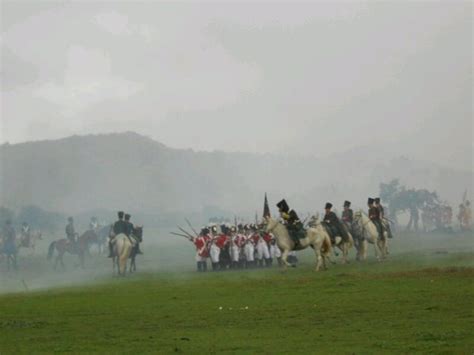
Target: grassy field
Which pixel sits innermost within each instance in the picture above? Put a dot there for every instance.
(421, 300)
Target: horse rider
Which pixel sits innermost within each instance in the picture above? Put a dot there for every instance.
(291, 220)
(129, 231)
(334, 224)
(374, 215)
(119, 227)
(383, 220)
(93, 224)
(347, 214)
(71, 232)
(25, 234)
(9, 238)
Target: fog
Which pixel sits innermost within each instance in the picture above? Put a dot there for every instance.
(174, 110)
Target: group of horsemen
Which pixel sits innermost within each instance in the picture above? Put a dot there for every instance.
(248, 245)
(122, 226)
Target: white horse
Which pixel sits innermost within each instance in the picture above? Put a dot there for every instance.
(122, 248)
(316, 237)
(369, 232)
(343, 245)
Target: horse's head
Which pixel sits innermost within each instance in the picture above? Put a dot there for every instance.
(314, 220)
(138, 233)
(270, 224)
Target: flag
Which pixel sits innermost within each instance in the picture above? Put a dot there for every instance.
(266, 208)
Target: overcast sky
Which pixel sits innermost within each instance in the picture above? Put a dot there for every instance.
(311, 78)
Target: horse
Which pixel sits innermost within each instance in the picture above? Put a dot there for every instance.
(28, 241)
(316, 237)
(370, 234)
(343, 244)
(137, 234)
(103, 234)
(79, 248)
(122, 249)
(10, 251)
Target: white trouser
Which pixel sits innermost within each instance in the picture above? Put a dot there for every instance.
(199, 258)
(215, 251)
(262, 251)
(275, 251)
(249, 250)
(235, 252)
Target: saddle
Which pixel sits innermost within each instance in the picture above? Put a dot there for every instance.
(297, 232)
(332, 231)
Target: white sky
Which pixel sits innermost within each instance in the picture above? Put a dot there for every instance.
(310, 78)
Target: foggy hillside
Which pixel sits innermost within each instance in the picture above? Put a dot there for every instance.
(127, 170)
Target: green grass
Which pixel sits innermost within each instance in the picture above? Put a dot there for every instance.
(418, 301)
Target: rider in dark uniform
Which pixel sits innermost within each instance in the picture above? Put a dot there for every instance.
(347, 214)
(334, 224)
(129, 231)
(71, 232)
(374, 215)
(383, 221)
(292, 221)
(120, 227)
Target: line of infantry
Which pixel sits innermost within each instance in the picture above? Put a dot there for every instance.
(234, 247)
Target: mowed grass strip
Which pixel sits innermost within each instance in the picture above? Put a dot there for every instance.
(410, 303)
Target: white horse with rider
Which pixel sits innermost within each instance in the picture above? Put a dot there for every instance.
(368, 232)
(343, 244)
(316, 238)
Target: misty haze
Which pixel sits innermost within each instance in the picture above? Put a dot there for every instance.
(238, 177)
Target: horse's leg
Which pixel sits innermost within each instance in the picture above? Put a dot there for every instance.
(317, 253)
(284, 255)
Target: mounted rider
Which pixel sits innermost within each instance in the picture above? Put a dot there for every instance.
(71, 232)
(383, 220)
(292, 222)
(129, 232)
(9, 238)
(374, 215)
(25, 234)
(119, 227)
(347, 215)
(93, 224)
(333, 224)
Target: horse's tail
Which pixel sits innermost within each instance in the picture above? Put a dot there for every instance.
(51, 250)
(326, 246)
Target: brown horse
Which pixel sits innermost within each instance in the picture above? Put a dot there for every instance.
(79, 248)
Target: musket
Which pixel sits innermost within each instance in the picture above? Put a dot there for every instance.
(181, 235)
(185, 232)
(190, 226)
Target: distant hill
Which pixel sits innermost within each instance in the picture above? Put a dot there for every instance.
(133, 172)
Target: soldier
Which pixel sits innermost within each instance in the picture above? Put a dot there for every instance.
(347, 214)
(292, 221)
(129, 232)
(332, 222)
(70, 232)
(25, 234)
(9, 242)
(93, 224)
(374, 215)
(467, 216)
(119, 227)
(383, 220)
(202, 253)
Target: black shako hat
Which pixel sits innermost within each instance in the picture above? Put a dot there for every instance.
(377, 199)
(370, 201)
(347, 203)
(283, 206)
(120, 214)
(127, 216)
(328, 205)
